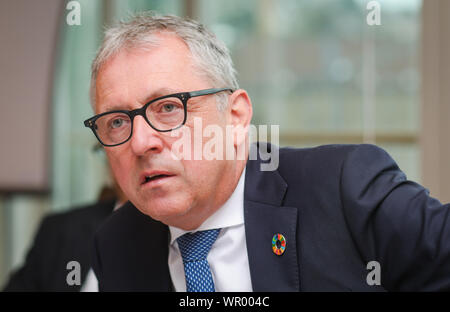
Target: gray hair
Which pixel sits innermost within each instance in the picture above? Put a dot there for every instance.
(210, 55)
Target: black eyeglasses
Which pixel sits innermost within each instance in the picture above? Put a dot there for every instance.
(163, 114)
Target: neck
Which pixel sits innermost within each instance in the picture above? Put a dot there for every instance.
(200, 213)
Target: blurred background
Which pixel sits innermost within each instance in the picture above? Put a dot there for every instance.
(316, 68)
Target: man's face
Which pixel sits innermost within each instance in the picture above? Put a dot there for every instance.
(189, 189)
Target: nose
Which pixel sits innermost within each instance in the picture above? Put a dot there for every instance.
(145, 139)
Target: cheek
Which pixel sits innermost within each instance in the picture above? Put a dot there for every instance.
(202, 175)
(121, 168)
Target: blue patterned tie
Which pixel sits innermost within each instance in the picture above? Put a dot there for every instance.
(194, 249)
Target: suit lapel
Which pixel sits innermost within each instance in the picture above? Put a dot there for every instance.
(264, 217)
(156, 259)
(156, 276)
(143, 245)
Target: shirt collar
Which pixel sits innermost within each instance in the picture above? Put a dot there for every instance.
(230, 214)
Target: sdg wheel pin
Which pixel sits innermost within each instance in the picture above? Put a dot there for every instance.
(278, 244)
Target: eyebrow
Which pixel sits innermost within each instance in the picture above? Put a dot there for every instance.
(160, 92)
(153, 95)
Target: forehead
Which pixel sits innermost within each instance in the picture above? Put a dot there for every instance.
(129, 77)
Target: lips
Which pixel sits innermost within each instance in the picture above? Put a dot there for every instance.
(154, 176)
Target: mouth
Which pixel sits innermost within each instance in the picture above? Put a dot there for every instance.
(154, 178)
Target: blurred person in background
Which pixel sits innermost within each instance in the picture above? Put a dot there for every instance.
(62, 238)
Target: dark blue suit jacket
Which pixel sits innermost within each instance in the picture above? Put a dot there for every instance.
(338, 206)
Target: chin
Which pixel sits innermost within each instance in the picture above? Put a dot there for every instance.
(164, 209)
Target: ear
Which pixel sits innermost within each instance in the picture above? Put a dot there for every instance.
(240, 112)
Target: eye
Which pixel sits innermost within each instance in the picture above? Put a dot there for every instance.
(167, 108)
(117, 123)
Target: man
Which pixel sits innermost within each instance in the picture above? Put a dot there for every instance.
(223, 224)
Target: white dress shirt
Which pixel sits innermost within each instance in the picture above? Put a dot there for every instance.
(227, 258)
(91, 282)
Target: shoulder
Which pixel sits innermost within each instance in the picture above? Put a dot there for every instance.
(332, 154)
(327, 160)
(330, 169)
(96, 210)
(126, 223)
(92, 214)
(329, 152)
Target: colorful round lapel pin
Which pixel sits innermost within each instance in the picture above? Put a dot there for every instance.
(278, 244)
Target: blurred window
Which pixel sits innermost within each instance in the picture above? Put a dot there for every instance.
(320, 72)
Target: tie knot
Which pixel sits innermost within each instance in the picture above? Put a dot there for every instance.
(196, 246)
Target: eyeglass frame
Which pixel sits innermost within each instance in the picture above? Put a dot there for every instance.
(183, 96)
